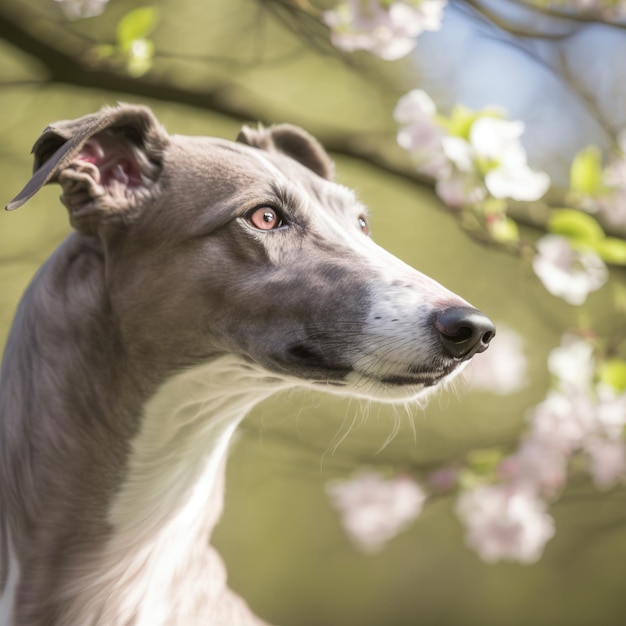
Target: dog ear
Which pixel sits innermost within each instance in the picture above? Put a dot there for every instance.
(292, 141)
(107, 164)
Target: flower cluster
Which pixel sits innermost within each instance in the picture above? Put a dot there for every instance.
(508, 519)
(472, 155)
(571, 260)
(478, 163)
(373, 509)
(566, 272)
(386, 28)
(601, 189)
(504, 500)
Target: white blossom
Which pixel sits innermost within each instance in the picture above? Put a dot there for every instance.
(419, 134)
(458, 189)
(490, 161)
(611, 411)
(459, 152)
(572, 363)
(76, 9)
(497, 141)
(539, 466)
(502, 369)
(567, 273)
(373, 510)
(607, 461)
(505, 523)
(389, 32)
(564, 420)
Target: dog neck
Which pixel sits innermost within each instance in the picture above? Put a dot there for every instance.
(171, 499)
(114, 501)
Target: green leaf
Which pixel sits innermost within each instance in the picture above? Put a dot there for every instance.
(611, 250)
(137, 24)
(461, 120)
(575, 225)
(613, 373)
(586, 171)
(484, 462)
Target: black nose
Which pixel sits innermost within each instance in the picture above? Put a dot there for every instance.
(464, 331)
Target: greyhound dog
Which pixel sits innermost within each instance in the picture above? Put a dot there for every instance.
(202, 276)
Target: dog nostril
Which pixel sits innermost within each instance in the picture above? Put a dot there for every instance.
(464, 331)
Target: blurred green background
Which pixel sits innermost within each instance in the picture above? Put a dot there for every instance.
(218, 64)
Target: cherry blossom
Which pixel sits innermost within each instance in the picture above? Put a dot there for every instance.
(497, 141)
(76, 9)
(611, 411)
(572, 363)
(607, 461)
(501, 370)
(373, 509)
(539, 466)
(419, 134)
(490, 160)
(564, 419)
(387, 29)
(505, 523)
(567, 273)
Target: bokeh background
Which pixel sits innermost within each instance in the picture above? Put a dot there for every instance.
(218, 64)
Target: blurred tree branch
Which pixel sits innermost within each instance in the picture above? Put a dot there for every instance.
(69, 67)
(63, 68)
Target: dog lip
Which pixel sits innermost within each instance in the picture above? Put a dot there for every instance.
(411, 381)
(313, 365)
(422, 376)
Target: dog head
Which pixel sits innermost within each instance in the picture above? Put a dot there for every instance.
(250, 248)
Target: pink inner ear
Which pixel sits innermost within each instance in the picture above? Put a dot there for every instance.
(114, 160)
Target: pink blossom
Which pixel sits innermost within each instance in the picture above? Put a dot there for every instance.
(389, 32)
(373, 510)
(566, 272)
(564, 420)
(504, 523)
(502, 369)
(607, 461)
(539, 466)
(419, 134)
(458, 189)
(443, 479)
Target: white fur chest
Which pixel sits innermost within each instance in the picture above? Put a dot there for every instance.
(156, 568)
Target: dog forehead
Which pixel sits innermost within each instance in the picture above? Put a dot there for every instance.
(221, 155)
(230, 167)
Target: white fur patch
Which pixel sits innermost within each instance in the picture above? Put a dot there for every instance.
(152, 572)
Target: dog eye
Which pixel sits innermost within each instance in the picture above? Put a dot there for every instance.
(265, 218)
(364, 225)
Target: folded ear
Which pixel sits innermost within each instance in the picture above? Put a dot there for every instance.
(292, 141)
(107, 163)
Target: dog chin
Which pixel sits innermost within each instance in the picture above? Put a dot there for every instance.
(394, 389)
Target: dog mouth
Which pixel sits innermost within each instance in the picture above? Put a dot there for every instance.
(319, 369)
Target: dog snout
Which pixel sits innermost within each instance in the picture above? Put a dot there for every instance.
(464, 331)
